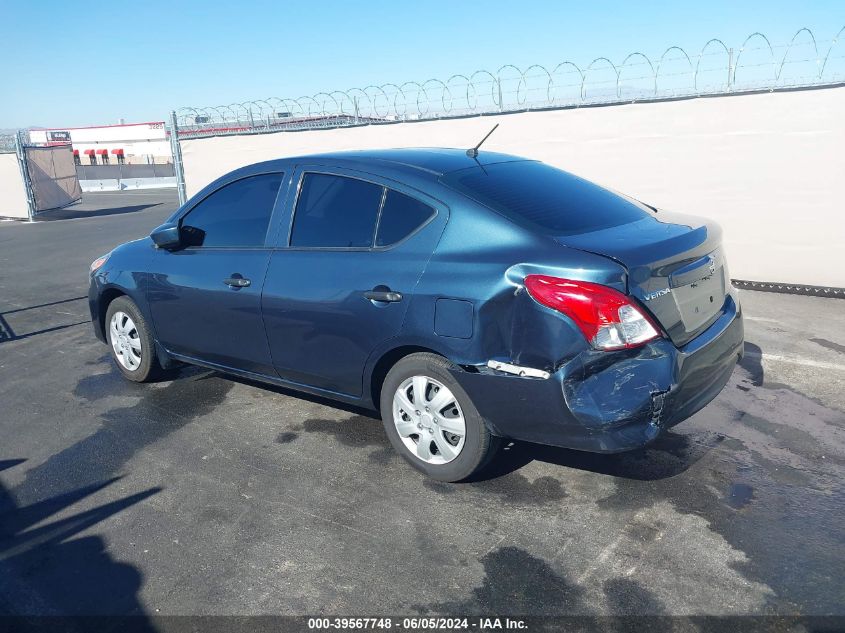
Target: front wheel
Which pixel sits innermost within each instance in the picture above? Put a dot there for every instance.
(132, 346)
(432, 422)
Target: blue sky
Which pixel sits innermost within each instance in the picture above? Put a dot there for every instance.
(73, 63)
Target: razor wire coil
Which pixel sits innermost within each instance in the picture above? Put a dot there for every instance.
(716, 68)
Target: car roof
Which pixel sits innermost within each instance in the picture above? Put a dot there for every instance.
(432, 161)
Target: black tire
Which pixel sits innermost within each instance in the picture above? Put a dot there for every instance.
(148, 368)
(479, 444)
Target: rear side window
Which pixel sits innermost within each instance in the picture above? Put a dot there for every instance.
(235, 215)
(400, 216)
(551, 200)
(335, 211)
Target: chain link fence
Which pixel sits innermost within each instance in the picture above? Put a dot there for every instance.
(7, 141)
(717, 68)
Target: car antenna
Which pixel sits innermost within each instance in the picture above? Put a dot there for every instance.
(472, 152)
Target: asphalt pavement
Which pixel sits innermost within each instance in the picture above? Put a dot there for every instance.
(207, 494)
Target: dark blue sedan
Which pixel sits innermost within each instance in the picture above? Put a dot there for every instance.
(468, 298)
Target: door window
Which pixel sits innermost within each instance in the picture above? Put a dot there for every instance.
(235, 215)
(336, 211)
(401, 215)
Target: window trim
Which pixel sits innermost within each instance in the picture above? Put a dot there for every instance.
(273, 210)
(340, 172)
(378, 216)
(416, 230)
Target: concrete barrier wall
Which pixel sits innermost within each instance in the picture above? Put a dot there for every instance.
(109, 184)
(122, 172)
(12, 192)
(148, 183)
(769, 168)
(112, 184)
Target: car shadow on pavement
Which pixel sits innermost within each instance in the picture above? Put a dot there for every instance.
(44, 571)
(670, 455)
(301, 395)
(73, 212)
(752, 362)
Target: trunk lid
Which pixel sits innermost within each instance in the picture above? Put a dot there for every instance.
(676, 268)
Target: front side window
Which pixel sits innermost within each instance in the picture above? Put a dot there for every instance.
(235, 215)
(335, 211)
(401, 215)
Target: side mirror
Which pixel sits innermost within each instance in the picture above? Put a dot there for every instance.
(166, 236)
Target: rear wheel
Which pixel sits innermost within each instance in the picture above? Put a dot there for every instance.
(432, 422)
(132, 346)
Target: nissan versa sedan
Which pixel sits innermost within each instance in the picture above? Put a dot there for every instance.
(469, 297)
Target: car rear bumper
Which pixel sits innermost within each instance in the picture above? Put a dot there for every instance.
(611, 401)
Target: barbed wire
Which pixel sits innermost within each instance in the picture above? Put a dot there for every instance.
(756, 64)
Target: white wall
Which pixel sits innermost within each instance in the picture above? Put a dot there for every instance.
(769, 167)
(137, 140)
(106, 133)
(12, 192)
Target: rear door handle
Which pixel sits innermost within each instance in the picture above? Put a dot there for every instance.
(237, 282)
(383, 295)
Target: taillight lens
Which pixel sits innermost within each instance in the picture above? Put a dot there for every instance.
(606, 317)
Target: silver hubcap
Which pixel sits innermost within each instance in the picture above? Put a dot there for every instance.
(125, 341)
(429, 420)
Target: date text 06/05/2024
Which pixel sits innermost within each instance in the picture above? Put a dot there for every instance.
(417, 623)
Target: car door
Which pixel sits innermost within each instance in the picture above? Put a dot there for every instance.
(205, 297)
(342, 279)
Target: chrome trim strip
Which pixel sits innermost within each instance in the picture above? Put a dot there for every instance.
(525, 372)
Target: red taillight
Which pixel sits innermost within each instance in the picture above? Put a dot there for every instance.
(606, 317)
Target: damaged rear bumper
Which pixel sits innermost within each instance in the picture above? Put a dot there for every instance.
(610, 401)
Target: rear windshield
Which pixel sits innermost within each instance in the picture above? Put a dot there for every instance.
(549, 199)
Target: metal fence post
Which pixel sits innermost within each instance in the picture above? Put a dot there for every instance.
(501, 101)
(730, 68)
(176, 151)
(20, 151)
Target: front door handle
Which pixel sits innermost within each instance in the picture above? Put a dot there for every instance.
(237, 282)
(387, 296)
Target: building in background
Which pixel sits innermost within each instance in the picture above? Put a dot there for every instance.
(124, 143)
